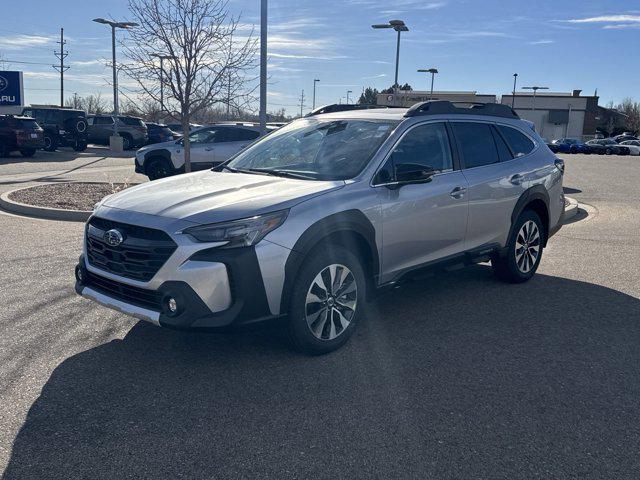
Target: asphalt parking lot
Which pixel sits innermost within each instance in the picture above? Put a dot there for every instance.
(455, 376)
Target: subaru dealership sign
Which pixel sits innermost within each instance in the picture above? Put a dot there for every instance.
(11, 91)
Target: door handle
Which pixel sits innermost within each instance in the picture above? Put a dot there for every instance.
(458, 192)
(516, 179)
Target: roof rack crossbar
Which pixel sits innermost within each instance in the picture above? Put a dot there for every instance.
(440, 107)
(344, 107)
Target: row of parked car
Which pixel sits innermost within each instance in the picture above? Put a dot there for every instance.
(48, 128)
(625, 144)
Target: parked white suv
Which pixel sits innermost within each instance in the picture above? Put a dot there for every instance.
(210, 145)
(307, 221)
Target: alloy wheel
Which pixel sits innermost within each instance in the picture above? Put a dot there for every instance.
(527, 246)
(331, 302)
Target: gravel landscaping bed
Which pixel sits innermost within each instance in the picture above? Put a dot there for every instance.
(67, 196)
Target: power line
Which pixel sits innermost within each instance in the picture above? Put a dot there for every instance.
(24, 63)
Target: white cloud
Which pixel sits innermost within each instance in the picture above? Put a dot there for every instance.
(621, 26)
(542, 42)
(305, 57)
(18, 42)
(607, 19)
(380, 75)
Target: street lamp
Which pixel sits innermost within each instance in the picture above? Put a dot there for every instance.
(263, 67)
(315, 80)
(513, 97)
(113, 26)
(398, 26)
(162, 58)
(348, 92)
(433, 72)
(535, 90)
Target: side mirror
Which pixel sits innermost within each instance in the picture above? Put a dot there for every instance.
(408, 173)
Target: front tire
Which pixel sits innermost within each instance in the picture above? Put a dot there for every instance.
(80, 146)
(327, 300)
(50, 143)
(523, 252)
(159, 168)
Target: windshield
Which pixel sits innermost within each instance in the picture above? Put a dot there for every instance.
(316, 149)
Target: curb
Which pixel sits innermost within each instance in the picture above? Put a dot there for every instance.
(41, 212)
(570, 208)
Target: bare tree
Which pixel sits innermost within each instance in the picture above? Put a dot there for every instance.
(205, 63)
(632, 110)
(90, 103)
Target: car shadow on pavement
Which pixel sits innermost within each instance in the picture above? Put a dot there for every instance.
(455, 376)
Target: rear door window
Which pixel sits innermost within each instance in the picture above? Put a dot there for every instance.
(503, 150)
(520, 144)
(475, 143)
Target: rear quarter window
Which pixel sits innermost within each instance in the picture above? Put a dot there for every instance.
(29, 124)
(519, 143)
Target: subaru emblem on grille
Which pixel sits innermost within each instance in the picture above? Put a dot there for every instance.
(113, 237)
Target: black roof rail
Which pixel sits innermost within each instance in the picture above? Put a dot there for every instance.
(344, 107)
(441, 107)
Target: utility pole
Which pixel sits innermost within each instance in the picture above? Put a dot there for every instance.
(348, 92)
(75, 100)
(315, 80)
(513, 97)
(301, 102)
(62, 54)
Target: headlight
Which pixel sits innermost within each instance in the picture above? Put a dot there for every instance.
(238, 233)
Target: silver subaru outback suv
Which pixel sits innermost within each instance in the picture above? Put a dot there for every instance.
(306, 223)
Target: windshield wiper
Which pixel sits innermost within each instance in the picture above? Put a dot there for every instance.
(281, 173)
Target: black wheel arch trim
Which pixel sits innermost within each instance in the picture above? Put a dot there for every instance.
(537, 192)
(347, 223)
(160, 152)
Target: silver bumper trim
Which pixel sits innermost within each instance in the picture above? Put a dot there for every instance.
(120, 306)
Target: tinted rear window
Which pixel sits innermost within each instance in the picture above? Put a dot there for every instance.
(134, 122)
(476, 144)
(73, 114)
(521, 144)
(29, 124)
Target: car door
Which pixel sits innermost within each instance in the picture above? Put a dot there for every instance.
(231, 140)
(202, 147)
(497, 177)
(426, 221)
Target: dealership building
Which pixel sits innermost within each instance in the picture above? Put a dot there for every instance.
(406, 98)
(558, 115)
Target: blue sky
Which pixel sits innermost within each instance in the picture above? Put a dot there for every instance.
(476, 45)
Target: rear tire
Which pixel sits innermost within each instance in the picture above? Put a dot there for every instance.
(28, 152)
(523, 251)
(159, 168)
(127, 141)
(327, 300)
(80, 146)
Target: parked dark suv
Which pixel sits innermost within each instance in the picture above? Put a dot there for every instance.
(132, 130)
(21, 134)
(63, 127)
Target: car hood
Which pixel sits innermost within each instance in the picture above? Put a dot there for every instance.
(210, 197)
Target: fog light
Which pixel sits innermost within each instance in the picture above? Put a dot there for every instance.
(79, 274)
(172, 305)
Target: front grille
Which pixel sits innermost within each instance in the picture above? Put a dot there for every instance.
(139, 257)
(150, 299)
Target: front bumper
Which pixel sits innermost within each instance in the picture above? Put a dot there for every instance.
(229, 284)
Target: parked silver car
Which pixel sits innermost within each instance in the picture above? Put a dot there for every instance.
(209, 145)
(132, 130)
(310, 220)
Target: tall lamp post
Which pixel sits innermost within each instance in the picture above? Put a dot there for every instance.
(535, 90)
(513, 97)
(348, 93)
(433, 72)
(263, 66)
(399, 26)
(162, 59)
(114, 25)
(315, 80)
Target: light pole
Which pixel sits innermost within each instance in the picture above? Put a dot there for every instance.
(263, 66)
(113, 26)
(162, 59)
(348, 92)
(398, 26)
(513, 97)
(315, 80)
(535, 90)
(433, 72)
